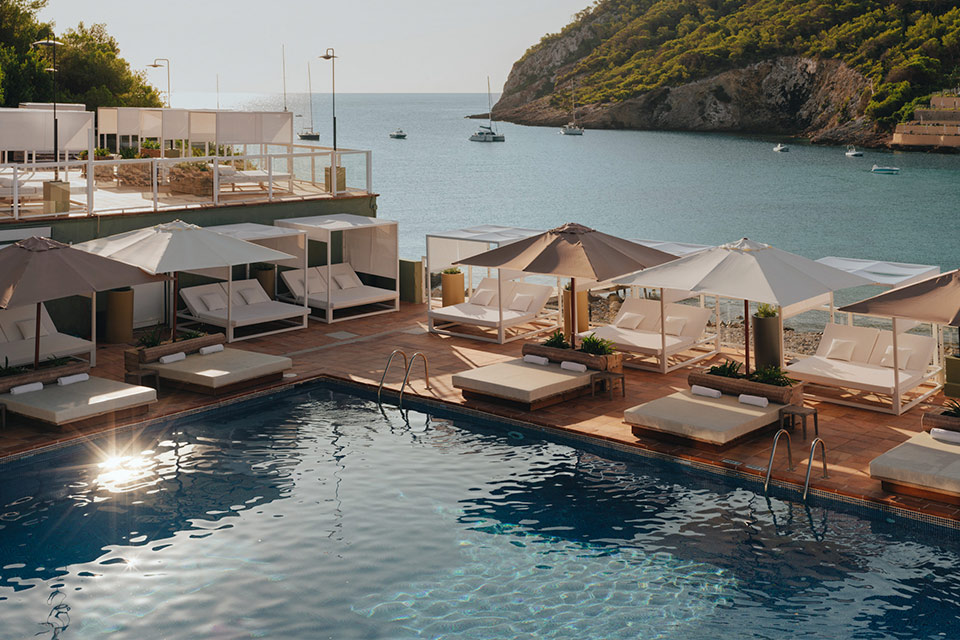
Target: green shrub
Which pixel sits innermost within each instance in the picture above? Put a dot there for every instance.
(129, 153)
(451, 270)
(189, 335)
(765, 310)
(952, 409)
(151, 338)
(557, 340)
(149, 144)
(729, 369)
(771, 374)
(596, 346)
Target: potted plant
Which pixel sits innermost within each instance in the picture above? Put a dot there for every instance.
(946, 418)
(104, 173)
(769, 382)
(192, 177)
(451, 286)
(265, 273)
(149, 148)
(767, 340)
(583, 311)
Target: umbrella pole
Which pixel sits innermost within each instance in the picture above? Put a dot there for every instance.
(746, 334)
(176, 292)
(36, 340)
(573, 313)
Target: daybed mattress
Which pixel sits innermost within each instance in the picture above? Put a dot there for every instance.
(467, 313)
(854, 375)
(245, 315)
(521, 381)
(54, 345)
(646, 342)
(221, 369)
(352, 297)
(922, 462)
(715, 421)
(93, 397)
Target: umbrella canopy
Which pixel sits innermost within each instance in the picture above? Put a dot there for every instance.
(35, 270)
(179, 246)
(935, 300)
(571, 251)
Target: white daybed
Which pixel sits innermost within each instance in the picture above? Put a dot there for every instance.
(347, 290)
(684, 331)
(249, 305)
(222, 372)
(523, 303)
(80, 401)
(867, 365)
(250, 177)
(533, 386)
(17, 338)
(921, 466)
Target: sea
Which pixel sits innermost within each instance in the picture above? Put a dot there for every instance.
(704, 188)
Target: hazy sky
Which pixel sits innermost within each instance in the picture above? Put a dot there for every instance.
(392, 46)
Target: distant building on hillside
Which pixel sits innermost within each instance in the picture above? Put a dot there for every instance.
(938, 126)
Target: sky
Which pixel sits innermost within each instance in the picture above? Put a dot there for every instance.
(383, 46)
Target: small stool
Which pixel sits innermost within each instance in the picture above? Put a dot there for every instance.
(136, 377)
(793, 411)
(608, 378)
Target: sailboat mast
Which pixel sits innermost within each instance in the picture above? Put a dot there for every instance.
(489, 106)
(310, 89)
(283, 59)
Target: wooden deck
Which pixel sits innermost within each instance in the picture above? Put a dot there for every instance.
(356, 351)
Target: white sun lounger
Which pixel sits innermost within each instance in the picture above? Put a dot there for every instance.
(864, 371)
(531, 385)
(17, 342)
(207, 304)
(920, 466)
(356, 294)
(646, 340)
(60, 405)
(239, 177)
(223, 372)
(488, 316)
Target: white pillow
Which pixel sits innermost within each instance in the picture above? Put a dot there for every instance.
(903, 354)
(841, 350)
(483, 297)
(344, 281)
(674, 325)
(28, 327)
(316, 283)
(214, 301)
(630, 320)
(521, 302)
(254, 295)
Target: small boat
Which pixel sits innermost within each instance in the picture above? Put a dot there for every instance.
(780, 148)
(309, 134)
(852, 152)
(399, 134)
(571, 129)
(485, 132)
(887, 170)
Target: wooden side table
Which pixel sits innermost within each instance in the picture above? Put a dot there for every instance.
(137, 376)
(608, 380)
(794, 411)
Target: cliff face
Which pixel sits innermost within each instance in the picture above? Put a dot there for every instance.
(793, 95)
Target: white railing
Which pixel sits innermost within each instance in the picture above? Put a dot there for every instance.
(156, 184)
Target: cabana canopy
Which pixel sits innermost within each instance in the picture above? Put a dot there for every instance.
(370, 244)
(32, 129)
(935, 300)
(676, 248)
(291, 241)
(198, 125)
(446, 248)
(879, 272)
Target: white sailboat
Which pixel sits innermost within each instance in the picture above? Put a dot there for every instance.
(309, 133)
(853, 152)
(486, 133)
(572, 128)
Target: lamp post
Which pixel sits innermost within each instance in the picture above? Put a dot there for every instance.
(329, 55)
(156, 64)
(53, 44)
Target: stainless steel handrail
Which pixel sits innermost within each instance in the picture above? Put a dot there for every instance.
(386, 368)
(776, 438)
(823, 457)
(426, 373)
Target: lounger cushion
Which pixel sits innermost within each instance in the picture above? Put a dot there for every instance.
(482, 297)
(645, 342)
(853, 375)
(921, 349)
(922, 462)
(346, 282)
(55, 345)
(254, 295)
(521, 381)
(903, 357)
(221, 369)
(864, 339)
(63, 404)
(251, 314)
(28, 329)
(214, 301)
(468, 313)
(841, 350)
(629, 320)
(521, 302)
(674, 325)
(716, 421)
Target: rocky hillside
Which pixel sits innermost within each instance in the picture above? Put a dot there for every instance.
(834, 71)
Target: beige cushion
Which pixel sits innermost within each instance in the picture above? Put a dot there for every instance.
(629, 320)
(488, 316)
(254, 295)
(921, 349)
(521, 381)
(28, 329)
(841, 349)
(637, 341)
(521, 302)
(864, 338)
(482, 297)
(674, 325)
(903, 357)
(921, 461)
(852, 375)
(346, 282)
(715, 421)
(55, 345)
(63, 404)
(221, 369)
(214, 301)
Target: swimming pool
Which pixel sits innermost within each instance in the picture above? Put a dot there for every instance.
(311, 514)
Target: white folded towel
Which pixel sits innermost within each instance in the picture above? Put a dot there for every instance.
(214, 348)
(26, 388)
(697, 390)
(536, 359)
(573, 366)
(945, 435)
(173, 357)
(756, 401)
(77, 377)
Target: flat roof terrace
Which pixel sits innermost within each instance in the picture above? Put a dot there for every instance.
(357, 351)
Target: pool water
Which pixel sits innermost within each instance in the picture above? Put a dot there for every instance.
(311, 514)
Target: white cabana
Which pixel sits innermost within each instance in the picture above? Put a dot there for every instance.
(449, 247)
(32, 130)
(291, 241)
(369, 246)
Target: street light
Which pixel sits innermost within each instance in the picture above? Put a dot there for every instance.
(53, 44)
(156, 64)
(333, 80)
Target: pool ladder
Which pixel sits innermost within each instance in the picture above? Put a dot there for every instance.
(813, 450)
(407, 366)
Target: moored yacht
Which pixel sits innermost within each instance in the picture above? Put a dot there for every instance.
(781, 148)
(886, 170)
(486, 133)
(399, 134)
(852, 152)
(571, 129)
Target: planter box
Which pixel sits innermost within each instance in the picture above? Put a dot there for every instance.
(136, 175)
(134, 357)
(451, 288)
(43, 375)
(612, 362)
(734, 386)
(952, 366)
(150, 153)
(936, 420)
(191, 180)
(767, 341)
